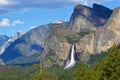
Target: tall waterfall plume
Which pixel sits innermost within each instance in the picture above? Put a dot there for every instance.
(71, 60)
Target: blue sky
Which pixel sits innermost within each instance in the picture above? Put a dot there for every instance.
(23, 15)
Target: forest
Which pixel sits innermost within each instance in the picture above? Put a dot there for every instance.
(104, 66)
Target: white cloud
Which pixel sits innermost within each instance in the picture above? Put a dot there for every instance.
(8, 2)
(97, 1)
(4, 2)
(32, 27)
(19, 5)
(17, 22)
(6, 22)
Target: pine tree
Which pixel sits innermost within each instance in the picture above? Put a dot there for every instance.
(111, 64)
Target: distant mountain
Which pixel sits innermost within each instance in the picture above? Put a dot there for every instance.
(29, 45)
(10, 40)
(3, 38)
(92, 30)
(7, 43)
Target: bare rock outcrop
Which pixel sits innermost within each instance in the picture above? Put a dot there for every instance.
(86, 18)
(102, 38)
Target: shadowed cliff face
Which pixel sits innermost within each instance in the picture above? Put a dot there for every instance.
(84, 17)
(56, 43)
(27, 45)
(103, 37)
(50, 44)
(3, 39)
(38, 41)
(10, 40)
(101, 11)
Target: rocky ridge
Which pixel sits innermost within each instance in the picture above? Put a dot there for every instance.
(49, 43)
(86, 18)
(9, 41)
(3, 39)
(102, 38)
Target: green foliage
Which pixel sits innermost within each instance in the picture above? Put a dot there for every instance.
(84, 72)
(15, 73)
(97, 57)
(44, 76)
(47, 74)
(25, 59)
(106, 67)
(72, 39)
(83, 33)
(111, 64)
(66, 75)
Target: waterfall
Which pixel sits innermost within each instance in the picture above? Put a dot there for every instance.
(71, 62)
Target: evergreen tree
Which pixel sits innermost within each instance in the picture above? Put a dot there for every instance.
(111, 64)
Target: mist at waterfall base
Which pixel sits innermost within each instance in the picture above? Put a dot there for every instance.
(71, 60)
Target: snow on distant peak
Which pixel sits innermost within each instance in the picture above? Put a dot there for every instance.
(58, 22)
(12, 39)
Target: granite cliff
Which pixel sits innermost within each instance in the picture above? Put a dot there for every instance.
(10, 40)
(86, 18)
(103, 37)
(92, 30)
(3, 39)
(33, 44)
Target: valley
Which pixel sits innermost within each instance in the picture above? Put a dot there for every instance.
(84, 48)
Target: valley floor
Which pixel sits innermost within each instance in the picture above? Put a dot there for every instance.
(100, 67)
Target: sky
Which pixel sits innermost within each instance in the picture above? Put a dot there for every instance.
(24, 15)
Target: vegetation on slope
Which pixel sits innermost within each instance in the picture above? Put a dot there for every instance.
(74, 38)
(107, 67)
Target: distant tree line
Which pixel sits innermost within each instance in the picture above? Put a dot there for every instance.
(105, 66)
